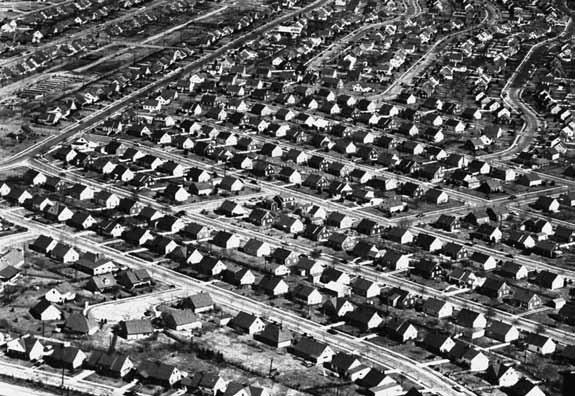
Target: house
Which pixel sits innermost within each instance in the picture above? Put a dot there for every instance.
(503, 174)
(26, 347)
(502, 374)
(58, 212)
(369, 227)
(18, 195)
(435, 196)
(448, 223)
(366, 250)
(285, 256)
(101, 283)
(61, 293)
(429, 242)
(94, 267)
(138, 236)
(495, 288)
(135, 329)
(176, 192)
(364, 318)
(247, 323)
(399, 298)
(64, 253)
(476, 218)
(429, 269)
(162, 245)
(455, 251)
(209, 383)
(39, 203)
(526, 299)
(400, 235)
(437, 308)
(8, 273)
(394, 260)
(474, 360)
(81, 192)
(257, 248)
(232, 184)
(201, 302)
(130, 206)
(307, 295)
(197, 231)
(159, 373)
(275, 335)
(438, 343)
(273, 286)
(529, 180)
(112, 364)
(340, 241)
(433, 172)
(311, 350)
(45, 311)
(539, 226)
(67, 357)
(365, 288)
(463, 278)
(470, 319)
(188, 255)
(525, 387)
(401, 330)
(226, 240)
(339, 220)
(377, 383)
(348, 366)
(289, 224)
(540, 344)
(170, 224)
(211, 266)
(564, 234)
(550, 280)
(484, 261)
(514, 270)
(338, 307)
(488, 233)
(181, 320)
(334, 276)
(231, 209)
(290, 175)
(132, 279)
(261, 217)
(305, 266)
(107, 199)
(238, 276)
(547, 204)
(43, 244)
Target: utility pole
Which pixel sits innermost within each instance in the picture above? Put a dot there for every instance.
(271, 367)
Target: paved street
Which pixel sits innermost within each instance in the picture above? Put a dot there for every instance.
(377, 354)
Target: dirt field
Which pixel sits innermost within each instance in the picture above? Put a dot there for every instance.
(242, 350)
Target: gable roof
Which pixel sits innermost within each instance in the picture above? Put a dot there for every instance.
(78, 323)
(275, 334)
(309, 347)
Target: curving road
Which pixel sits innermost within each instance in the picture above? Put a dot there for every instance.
(412, 9)
(511, 95)
(374, 353)
(99, 116)
(460, 302)
(425, 59)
